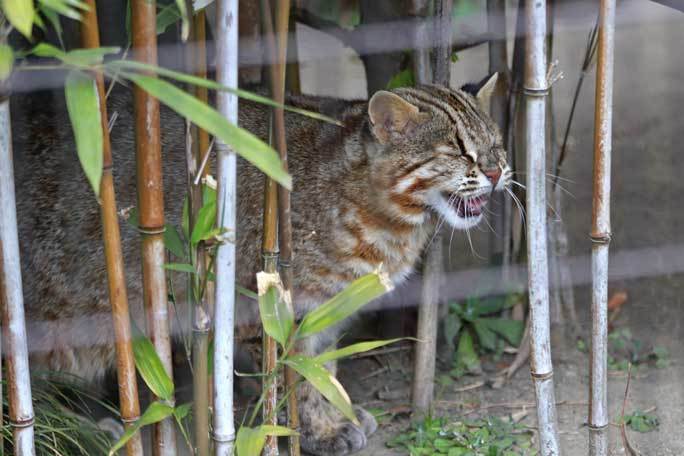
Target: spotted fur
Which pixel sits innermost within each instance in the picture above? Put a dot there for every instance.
(367, 194)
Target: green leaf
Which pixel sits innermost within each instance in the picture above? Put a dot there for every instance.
(466, 355)
(275, 312)
(324, 382)
(78, 57)
(167, 16)
(202, 82)
(402, 79)
(180, 267)
(204, 225)
(511, 330)
(67, 8)
(452, 326)
(6, 61)
(185, 21)
(83, 104)
(173, 242)
(53, 17)
(353, 349)
(250, 441)
(155, 413)
(20, 14)
(359, 293)
(150, 366)
(245, 292)
(244, 143)
(485, 335)
(642, 422)
(181, 411)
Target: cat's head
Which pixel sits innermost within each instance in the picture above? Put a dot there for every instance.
(439, 151)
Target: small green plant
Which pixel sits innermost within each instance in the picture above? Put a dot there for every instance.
(64, 423)
(624, 349)
(472, 328)
(641, 421)
(489, 436)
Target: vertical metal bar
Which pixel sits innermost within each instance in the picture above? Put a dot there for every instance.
(600, 231)
(21, 415)
(125, 363)
(224, 317)
(536, 89)
(151, 208)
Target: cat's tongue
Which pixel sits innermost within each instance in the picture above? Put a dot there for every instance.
(471, 207)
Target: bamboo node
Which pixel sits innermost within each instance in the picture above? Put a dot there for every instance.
(286, 264)
(544, 376)
(535, 92)
(23, 423)
(597, 427)
(600, 238)
(130, 420)
(225, 438)
(151, 230)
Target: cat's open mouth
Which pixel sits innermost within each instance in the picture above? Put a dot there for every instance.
(469, 206)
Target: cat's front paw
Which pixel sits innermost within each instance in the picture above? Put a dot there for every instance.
(325, 432)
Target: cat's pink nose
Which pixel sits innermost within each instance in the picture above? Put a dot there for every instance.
(493, 175)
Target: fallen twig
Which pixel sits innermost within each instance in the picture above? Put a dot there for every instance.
(623, 427)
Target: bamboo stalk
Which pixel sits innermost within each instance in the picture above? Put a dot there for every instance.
(428, 312)
(224, 315)
(536, 89)
(498, 63)
(422, 68)
(272, 198)
(151, 208)
(278, 48)
(128, 386)
(21, 415)
(600, 231)
(199, 143)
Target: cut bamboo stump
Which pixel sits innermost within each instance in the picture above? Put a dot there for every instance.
(151, 209)
(21, 415)
(224, 317)
(535, 89)
(600, 232)
(116, 279)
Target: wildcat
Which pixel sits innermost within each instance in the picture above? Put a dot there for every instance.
(367, 194)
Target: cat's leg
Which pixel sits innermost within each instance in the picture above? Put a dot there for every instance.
(324, 430)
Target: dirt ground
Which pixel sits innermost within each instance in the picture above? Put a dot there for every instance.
(646, 214)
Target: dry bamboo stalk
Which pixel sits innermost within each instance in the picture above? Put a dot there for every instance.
(125, 365)
(151, 208)
(428, 312)
(536, 88)
(600, 231)
(498, 63)
(21, 415)
(277, 44)
(224, 315)
(422, 68)
(199, 142)
(269, 245)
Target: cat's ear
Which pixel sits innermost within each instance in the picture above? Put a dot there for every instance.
(483, 90)
(393, 117)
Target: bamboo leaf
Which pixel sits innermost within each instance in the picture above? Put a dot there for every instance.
(167, 16)
(359, 293)
(68, 8)
(249, 441)
(244, 143)
(185, 21)
(352, 350)
(150, 366)
(155, 413)
(20, 13)
(202, 82)
(173, 242)
(245, 292)
(204, 225)
(324, 382)
(180, 267)
(78, 57)
(6, 61)
(83, 104)
(274, 308)
(181, 411)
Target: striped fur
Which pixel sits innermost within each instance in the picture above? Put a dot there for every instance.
(365, 195)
